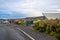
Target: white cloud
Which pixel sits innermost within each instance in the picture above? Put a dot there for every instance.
(27, 7)
(58, 10)
(30, 7)
(32, 12)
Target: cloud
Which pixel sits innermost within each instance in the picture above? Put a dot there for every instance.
(58, 10)
(29, 7)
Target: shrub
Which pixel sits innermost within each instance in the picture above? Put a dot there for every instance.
(51, 27)
(52, 33)
(58, 36)
(36, 26)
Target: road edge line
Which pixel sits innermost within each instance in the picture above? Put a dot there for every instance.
(26, 34)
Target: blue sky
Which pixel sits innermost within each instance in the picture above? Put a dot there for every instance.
(27, 8)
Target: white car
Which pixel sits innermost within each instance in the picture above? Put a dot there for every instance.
(5, 21)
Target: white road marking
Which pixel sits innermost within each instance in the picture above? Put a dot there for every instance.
(26, 34)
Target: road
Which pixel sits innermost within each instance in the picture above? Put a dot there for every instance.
(9, 33)
(13, 32)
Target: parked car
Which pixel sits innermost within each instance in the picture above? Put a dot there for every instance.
(5, 21)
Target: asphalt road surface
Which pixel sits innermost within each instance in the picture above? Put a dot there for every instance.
(8, 33)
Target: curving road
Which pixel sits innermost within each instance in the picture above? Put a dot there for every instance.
(8, 33)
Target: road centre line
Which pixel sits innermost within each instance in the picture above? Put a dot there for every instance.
(26, 34)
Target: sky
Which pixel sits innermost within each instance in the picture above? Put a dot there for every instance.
(27, 8)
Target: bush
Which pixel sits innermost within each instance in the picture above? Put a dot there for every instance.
(36, 26)
(51, 27)
(52, 33)
(58, 36)
(20, 22)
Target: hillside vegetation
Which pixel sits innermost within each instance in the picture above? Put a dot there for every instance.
(51, 27)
